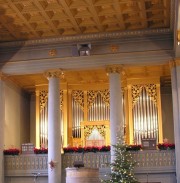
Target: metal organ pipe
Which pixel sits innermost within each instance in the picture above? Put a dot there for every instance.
(145, 117)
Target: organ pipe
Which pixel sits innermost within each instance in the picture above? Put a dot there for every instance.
(145, 118)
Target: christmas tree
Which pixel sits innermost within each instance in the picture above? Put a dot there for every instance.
(122, 167)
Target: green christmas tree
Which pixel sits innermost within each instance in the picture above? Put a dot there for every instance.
(122, 167)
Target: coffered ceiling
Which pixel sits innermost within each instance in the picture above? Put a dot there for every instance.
(37, 19)
(34, 19)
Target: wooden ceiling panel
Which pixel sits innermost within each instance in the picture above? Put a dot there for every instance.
(71, 17)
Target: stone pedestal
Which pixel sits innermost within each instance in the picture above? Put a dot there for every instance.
(82, 175)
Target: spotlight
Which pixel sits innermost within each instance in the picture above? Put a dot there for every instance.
(84, 49)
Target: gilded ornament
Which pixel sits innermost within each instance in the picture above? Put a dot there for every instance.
(43, 98)
(114, 69)
(52, 52)
(54, 73)
(150, 89)
(89, 128)
(92, 95)
(78, 96)
(114, 48)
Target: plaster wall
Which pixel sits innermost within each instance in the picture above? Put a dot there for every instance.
(16, 116)
(167, 114)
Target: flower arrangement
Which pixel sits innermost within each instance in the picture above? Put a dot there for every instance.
(133, 148)
(40, 151)
(86, 149)
(166, 146)
(11, 151)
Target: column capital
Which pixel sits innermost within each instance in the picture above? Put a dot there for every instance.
(2, 76)
(172, 64)
(114, 69)
(37, 92)
(54, 73)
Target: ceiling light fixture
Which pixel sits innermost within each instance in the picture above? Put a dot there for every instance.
(84, 49)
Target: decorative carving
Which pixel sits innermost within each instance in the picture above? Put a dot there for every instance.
(26, 163)
(54, 73)
(114, 48)
(91, 96)
(43, 98)
(114, 69)
(106, 96)
(89, 128)
(52, 164)
(52, 52)
(137, 89)
(78, 96)
(61, 100)
(152, 92)
(94, 36)
(146, 159)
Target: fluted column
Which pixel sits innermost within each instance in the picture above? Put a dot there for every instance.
(175, 80)
(54, 131)
(2, 122)
(116, 108)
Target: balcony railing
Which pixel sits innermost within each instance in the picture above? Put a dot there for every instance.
(151, 160)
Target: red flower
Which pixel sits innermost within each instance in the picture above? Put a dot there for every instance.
(86, 149)
(165, 146)
(41, 150)
(12, 151)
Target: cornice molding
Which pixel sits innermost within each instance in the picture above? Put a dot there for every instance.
(98, 61)
(87, 37)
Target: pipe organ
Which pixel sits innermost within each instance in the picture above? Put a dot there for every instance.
(145, 112)
(141, 106)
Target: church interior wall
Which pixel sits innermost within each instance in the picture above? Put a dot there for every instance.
(167, 114)
(16, 116)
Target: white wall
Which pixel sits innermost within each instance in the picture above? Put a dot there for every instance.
(167, 114)
(17, 107)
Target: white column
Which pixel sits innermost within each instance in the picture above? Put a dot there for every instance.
(54, 131)
(175, 80)
(116, 108)
(2, 121)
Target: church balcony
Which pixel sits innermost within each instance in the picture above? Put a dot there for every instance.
(152, 165)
